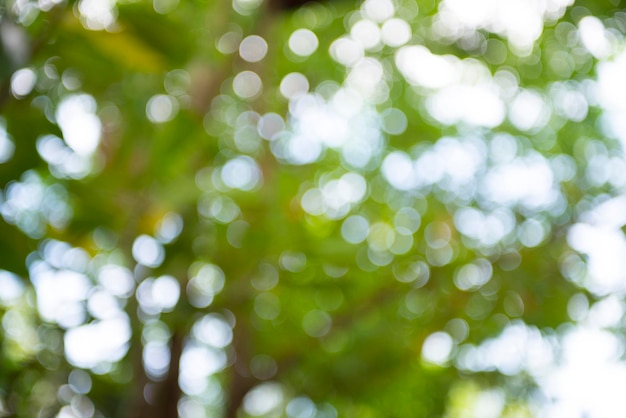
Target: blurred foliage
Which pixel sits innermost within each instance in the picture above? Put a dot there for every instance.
(151, 148)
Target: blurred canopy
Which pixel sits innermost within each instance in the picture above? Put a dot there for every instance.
(400, 208)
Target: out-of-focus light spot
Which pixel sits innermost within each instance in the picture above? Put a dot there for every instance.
(452, 163)
(80, 381)
(416, 272)
(474, 275)
(354, 185)
(253, 48)
(589, 355)
(169, 228)
(367, 33)
(407, 221)
(529, 111)
(506, 82)
(398, 170)
(22, 82)
(25, 14)
(355, 229)
(609, 214)
(364, 82)
(80, 407)
(513, 305)
(301, 407)
(292, 261)
(247, 132)
(520, 22)
(503, 148)
(518, 347)
(490, 403)
(574, 269)
(562, 64)
(440, 256)
(165, 292)
(437, 234)
(420, 67)
(61, 255)
(97, 14)
(192, 408)
(319, 124)
(486, 228)
(593, 37)
(458, 329)
(156, 330)
(60, 294)
(62, 160)
(604, 247)
(303, 42)
(47, 5)
(394, 121)
(197, 363)
(469, 399)
(263, 399)
(80, 126)
(177, 82)
(223, 209)
(71, 80)
(346, 51)
(266, 278)
(164, 6)
(334, 271)
(270, 125)
(316, 323)
(213, 330)
(329, 299)
(105, 341)
(527, 181)
(402, 244)
(241, 173)
(606, 313)
(378, 10)
(267, 306)
(7, 147)
(294, 85)
(228, 42)
(381, 236)
(335, 197)
(103, 305)
(19, 328)
(437, 348)
(246, 7)
(342, 123)
(11, 288)
(569, 102)
(532, 232)
(510, 260)
(263, 367)
(206, 281)
(156, 359)
(145, 297)
(247, 85)
(375, 257)
(609, 87)
(312, 202)
(475, 105)
(396, 32)
(161, 108)
(30, 205)
(148, 251)
(117, 280)
(496, 52)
